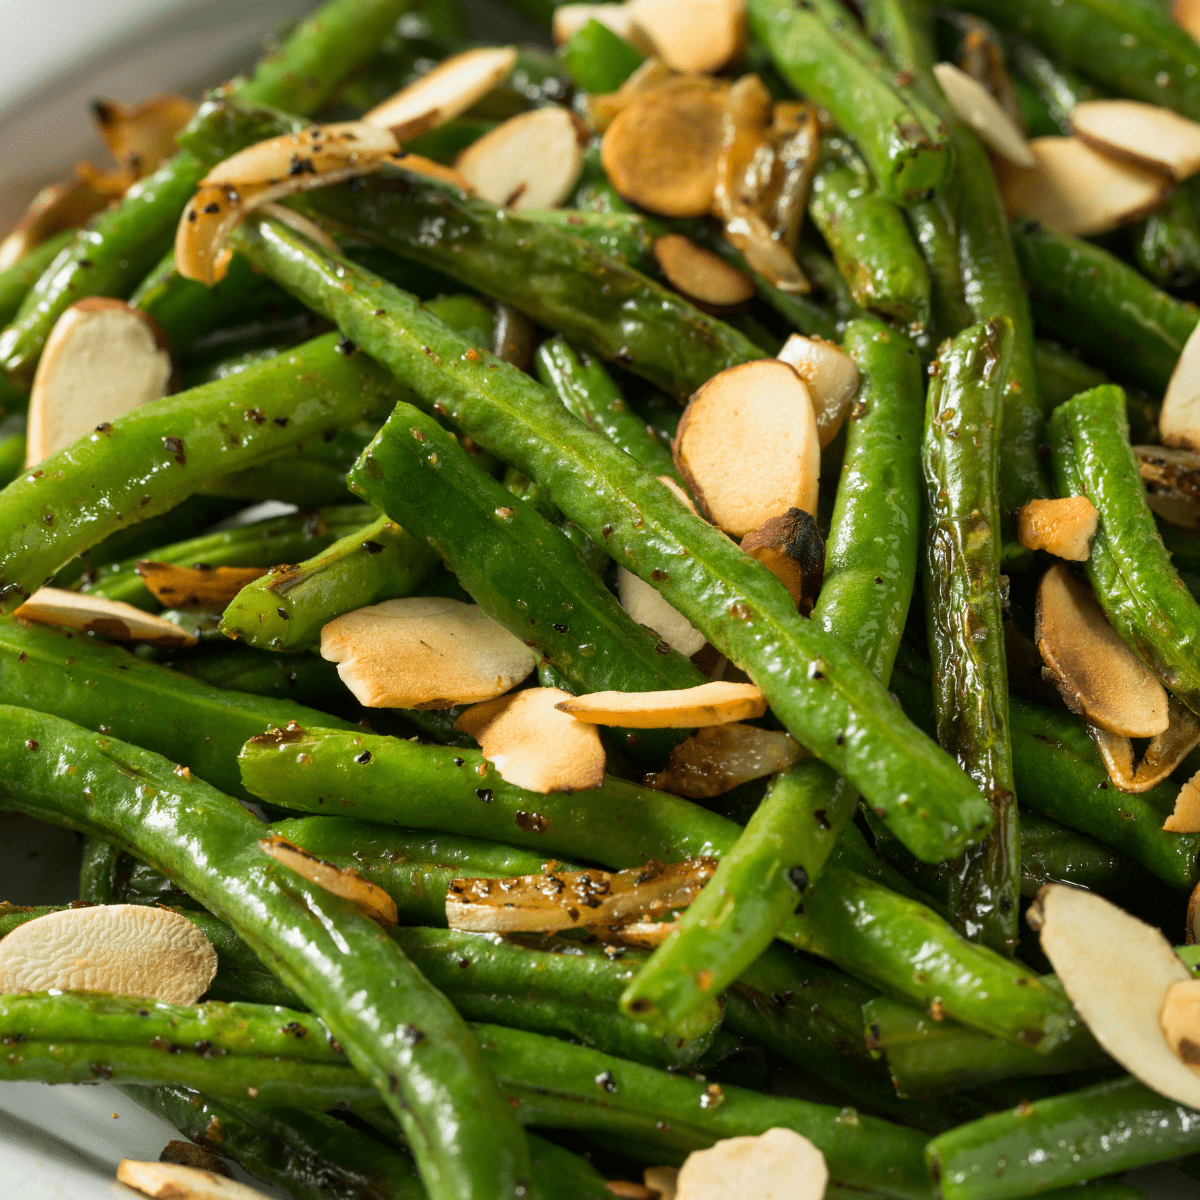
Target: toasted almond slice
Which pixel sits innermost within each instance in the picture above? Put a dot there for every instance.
(448, 90)
(569, 19)
(1179, 417)
(1117, 971)
(664, 1180)
(626, 1189)
(747, 446)
(693, 36)
(109, 618)
(645, 604)
(678, 493)
(169, 1181)
(831, 376)
(102, 359)
(1187, 16)
(532, 160)
(573, 899)
(174, 586)
(128, 949)
(700, 274)
(1062, 527)
(341, 881)
(1186, 817)
(1180, 1021)
(143, 137)
(715, 760)
(792, 549)
(1172, 479)
(777, 1163)
(982, 111)
(424, 652)
(1146, 134)
(535, 746)
(661, 151)
(1099, 676)
(56, 207)
(707, 704)
(1076, 189)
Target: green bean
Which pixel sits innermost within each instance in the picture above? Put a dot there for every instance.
(1052, 853)
(262, 544)
(304, 678)
(123, 244)
(820, 692)
(16, 281)
(870, 241)
(627, 236)
(12, 449)
(597, 59)
(1059, 88)
(104, 688)
(819, 51)
(787, 841)
(400, 1032)
(446, 142)
(1129, 567)
(150, 459)
(963, 615)
(1166, 244)
(1062, 375)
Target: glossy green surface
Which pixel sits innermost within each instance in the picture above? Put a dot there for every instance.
(396, 1029)
(16, 281)
(301, 678)
(821, 693)
(153, 457)
(597, 59)
(1166, 245)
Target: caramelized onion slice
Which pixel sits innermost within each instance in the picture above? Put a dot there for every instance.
(179, 587)
(1172, 479)
(141, 138)
(717, 759)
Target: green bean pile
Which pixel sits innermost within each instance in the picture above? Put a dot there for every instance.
(475, 403)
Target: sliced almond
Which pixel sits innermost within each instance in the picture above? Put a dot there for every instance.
(532, 160)
(127, 949)
(715, 760)
(102, 358)
(1179, 417)
(573, 899)
(664, 1180)
(169, 1181)
(646, 605)
(1169, 748)
(569, 19)
(977, 107)
(1063, 527)
(112, 619)
(424, 652)
(141, 138)
(693, 36)
(792, 549)
(448, 90)
(1116, 752)
(1076, 189)
(1172, 479)
(1117, 971)
(1187, 16)
(747, 446)
(56, 207)
(1186, 816)
(1146, 134)
(661, 151)
(1099, 676)
(831, 376)
(707, 704)
(777, 1163)
(341, 881)
(196, 587)
(535, 746)
(701, 275)
(1180, 1021)
(626, 1189)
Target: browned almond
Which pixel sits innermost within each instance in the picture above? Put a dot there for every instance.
(108, 618)
(102, 358)
(424, 652)
(715, 760)
(664, 1180)
(1187, 16)
(535, 746)
(448, 90)
(574, 899)
(532, 160)
(1179, 417)
(1172, 479)
(1180, 1021)
(693, 36)
(1062, 527)
(56, 207)
(661, 151)
(831, 376)
(1186, 816)
(1116, 752)
(1169, 748)
(141, 138)
(1117, 971)
(1146, 134)
(792, 549)
(196, 587)
(707, 704)
(1076, 189)
(628, 1190)
(128, 949)
(341, 881)
(701, 275)
(569, 19)
(170, 1181)
(755, 1166)
(748, 448)
(977, 107)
